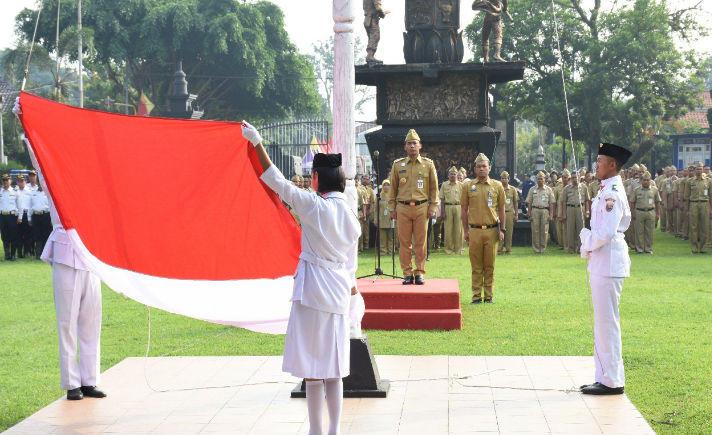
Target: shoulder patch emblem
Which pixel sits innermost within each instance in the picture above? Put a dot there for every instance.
(614, 188)
(609, 207)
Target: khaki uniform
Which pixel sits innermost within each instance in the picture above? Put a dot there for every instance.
(481, 200)
(361, 195)
(575, 198)
(414, 187)
(561, 238)
(630, 186)
(540, 200)
(697, 192)
(385, 235)
(683, 207)
(372, 11)
(668, 209)
(643, 201)
(510, 210)
(660, 182)
(450, 197)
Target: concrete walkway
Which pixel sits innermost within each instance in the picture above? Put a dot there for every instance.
(235, 395)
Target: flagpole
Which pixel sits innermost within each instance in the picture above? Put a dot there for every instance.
(79, 55)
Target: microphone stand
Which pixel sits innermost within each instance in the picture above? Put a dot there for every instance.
(379, 272)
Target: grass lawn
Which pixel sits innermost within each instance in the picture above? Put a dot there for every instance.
(540, 308)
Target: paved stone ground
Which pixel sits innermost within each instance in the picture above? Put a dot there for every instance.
(235, 395)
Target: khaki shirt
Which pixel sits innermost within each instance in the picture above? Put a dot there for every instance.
(361, 198)
(570, 197)
(593, 188)
(482, 200)
(698, 190)
(512, 197)
(645, 199)
(541, 197)
(414, 180)
(450, 193)
(558, 197)
(385, 218)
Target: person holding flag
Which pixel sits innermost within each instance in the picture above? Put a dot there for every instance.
(316, 346)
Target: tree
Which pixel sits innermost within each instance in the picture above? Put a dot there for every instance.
(624, 72)
(323, 62)
(237, 56)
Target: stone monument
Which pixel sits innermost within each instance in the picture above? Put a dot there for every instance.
(446, 101)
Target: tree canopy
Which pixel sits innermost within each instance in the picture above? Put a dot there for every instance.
(624, 65)
(237, 56)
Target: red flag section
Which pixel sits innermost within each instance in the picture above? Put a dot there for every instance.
(162, 197)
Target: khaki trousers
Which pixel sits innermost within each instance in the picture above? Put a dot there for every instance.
(363, 239)
(670, 219)
(663, 221)
(540, 229)
(678, 222)
(644, 227)
(453, 229)
(483, 251)
(506, 246)
(436, 234)
(385, 237)
(561, 235)
(574, 224)
(412, 223)
(699, 225)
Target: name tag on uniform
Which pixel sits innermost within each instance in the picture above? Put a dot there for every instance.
(489, 202)
(421, 183)
(509, 201)
(650, 201)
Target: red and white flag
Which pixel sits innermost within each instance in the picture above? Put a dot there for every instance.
(170, 213)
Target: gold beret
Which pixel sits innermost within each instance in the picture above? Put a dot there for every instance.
(482, 157)
(540, 175)
(504, 174)
(412, 135)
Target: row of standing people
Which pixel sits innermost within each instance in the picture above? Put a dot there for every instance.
(24, 217)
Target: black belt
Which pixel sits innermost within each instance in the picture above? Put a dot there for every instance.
(701, 200)
(452, 203)
(645, 209)
(39, 213)
(540, 208)
(573, 205)
(483, 227)
(413, 203)
(8, 213)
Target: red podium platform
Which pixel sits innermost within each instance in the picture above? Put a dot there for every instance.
(391, 305)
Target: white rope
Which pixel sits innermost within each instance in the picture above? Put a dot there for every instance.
(32, 45)
(573, 155)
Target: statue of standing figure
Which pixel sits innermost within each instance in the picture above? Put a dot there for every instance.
(493, 10)
(373, 12)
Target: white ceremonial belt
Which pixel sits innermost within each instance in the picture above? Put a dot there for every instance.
(326, 264)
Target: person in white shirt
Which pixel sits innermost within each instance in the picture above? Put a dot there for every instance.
(24, 232)
(9, 209)
(316, 346)
(77, 303)
(609, 264)
(39, 220)
(32, 177)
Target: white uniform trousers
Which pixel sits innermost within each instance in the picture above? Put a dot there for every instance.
(77, 301)
(608, 356)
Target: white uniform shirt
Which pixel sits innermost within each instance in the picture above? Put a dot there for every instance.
(23, 200)
(9, 200)
(330, 231)
(38, 202)
(610, 217)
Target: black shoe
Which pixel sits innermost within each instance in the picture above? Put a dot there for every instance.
(408, 280)
(488, 300)
(419, 279)
(599, 389)
(75, 394)
(91, 391)
(588, 385)
(476, 302)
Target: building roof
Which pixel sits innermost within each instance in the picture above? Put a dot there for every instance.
(8, 93)
(699, 115)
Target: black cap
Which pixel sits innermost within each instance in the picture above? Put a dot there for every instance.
(617, 152)
(322, 160)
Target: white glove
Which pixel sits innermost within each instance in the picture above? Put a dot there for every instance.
(251, 134)
(16, 109)
(585, 254)
(357, 308)
(584, 235)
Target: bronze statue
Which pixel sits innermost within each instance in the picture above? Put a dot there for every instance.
(493, 10)
(373, 13)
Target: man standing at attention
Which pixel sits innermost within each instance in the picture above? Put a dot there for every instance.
(609, 264)
(576, 199)
(450, 202)
(542, 205)
(414, 198)
(510, 211)
(697, 204)
(484, 223)
(645, 211)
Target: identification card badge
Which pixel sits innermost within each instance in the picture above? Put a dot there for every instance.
(706, 192)
(650, 201)
(509, 201)
(421, 183)
(543, 198)
(473, 188)
(489, 202)
(385, 212)
(402, 163)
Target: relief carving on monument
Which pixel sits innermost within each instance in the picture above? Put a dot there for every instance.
(418, 14)
(455, 98)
